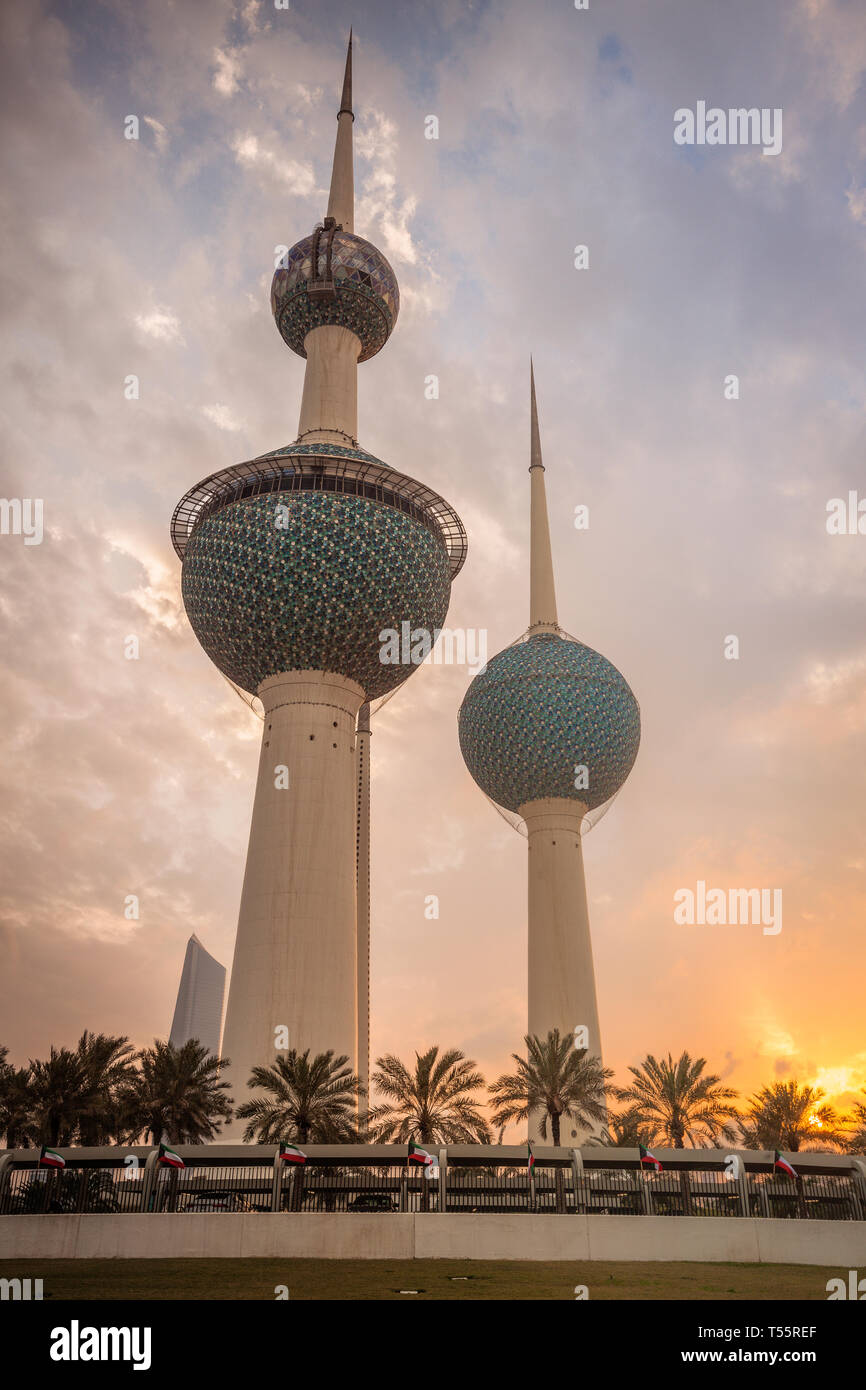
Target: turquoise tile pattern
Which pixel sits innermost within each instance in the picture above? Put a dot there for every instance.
(367, 297)
(315, 594)
(319, 450)
(541, 708)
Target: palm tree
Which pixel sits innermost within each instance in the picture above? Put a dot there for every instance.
(786, 1115)
(556, 1079)
(177, 1094)
(15, 1103)
(16, 1106)
(622, 1132)
(857, 1140)
(57, 1088)
(674, 1101)
(108, 1066)
(309, 1101)
(434, 1104)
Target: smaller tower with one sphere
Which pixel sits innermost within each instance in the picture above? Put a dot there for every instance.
(550, 731)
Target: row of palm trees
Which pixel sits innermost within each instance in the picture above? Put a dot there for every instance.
(103, 1091)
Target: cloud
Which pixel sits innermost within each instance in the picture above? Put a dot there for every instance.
(160, 323)
(159, 131)
(296, 176)
(835, 32)
(228, 71)
(379, 202)
(223, 417)
(856, 200)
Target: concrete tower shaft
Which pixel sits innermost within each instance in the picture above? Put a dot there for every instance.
(329, 404)
(561, 976)
(363, 894)
(303, 978)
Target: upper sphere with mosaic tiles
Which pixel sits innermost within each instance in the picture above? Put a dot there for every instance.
(540, 709)
(335, 277)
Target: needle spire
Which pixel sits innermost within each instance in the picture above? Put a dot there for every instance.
(542, 591)
(341, 202)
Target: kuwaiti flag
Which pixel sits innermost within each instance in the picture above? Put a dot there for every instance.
(530, 1158)
(780, 1162)
(650, 1158)
(50, 1158)
(169, 1157)
(290, 1153)
(419, 1155)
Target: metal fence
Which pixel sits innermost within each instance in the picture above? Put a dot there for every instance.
(204, 1186)
(85, 1185)
(471, 1178)
(359, 1187)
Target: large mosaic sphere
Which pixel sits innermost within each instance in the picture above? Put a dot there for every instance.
(542, 709)
(365, 296)
(311, 588)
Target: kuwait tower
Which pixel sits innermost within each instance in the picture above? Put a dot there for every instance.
(293, 565)
(550, 731)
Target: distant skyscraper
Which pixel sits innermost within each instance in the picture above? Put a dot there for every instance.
(198, 1012)
(294, 564)
(550, 731)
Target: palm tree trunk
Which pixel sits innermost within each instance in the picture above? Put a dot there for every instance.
(686, 1190)
(559, 1181)
(554, 1129)
(801, 1197)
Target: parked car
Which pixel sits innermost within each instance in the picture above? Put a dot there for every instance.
(372, 1201)
(214, 1201)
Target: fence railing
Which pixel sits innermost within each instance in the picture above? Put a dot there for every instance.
(462, 1178)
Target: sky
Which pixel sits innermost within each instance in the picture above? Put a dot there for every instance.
(707, 515)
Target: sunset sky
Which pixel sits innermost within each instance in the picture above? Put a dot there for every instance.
(707, 515)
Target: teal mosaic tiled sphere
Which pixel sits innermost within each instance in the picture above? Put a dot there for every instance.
(541, 709)
(366, 298)
(314, 592)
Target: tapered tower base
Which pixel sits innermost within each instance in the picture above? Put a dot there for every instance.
(363, 900)
(561, 976)
(295, 962)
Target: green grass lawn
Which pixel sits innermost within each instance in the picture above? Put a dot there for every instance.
(433, 1279)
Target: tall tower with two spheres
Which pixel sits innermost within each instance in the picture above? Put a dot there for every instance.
(293, 564)
(550, 731)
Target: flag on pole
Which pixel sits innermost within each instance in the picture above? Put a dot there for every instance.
(290, 1153)
(650, 1158)
(530, 1158)
(419, 1155)
(50, 1158)
(783, 1165)
(169, 1158)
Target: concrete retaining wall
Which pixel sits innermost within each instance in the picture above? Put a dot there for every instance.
(375, 1236)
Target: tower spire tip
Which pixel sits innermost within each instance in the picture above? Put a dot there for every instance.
(534, 433)
(346, 98)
